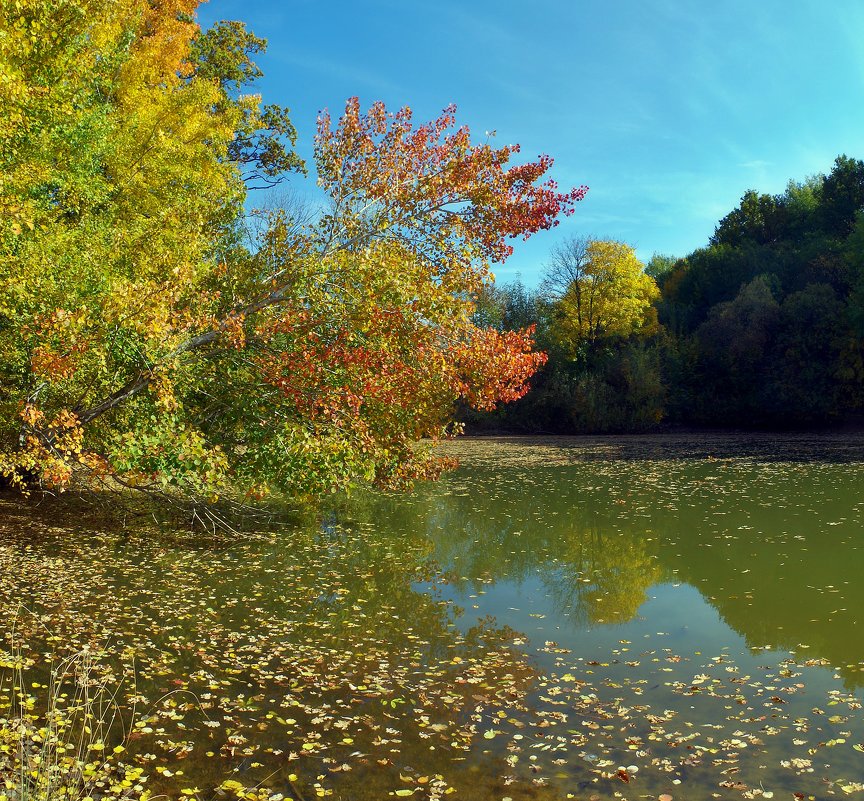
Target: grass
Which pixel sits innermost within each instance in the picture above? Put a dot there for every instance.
(64, 738)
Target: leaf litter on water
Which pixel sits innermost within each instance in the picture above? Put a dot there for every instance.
(339, 659)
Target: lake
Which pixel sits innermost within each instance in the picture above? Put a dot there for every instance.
(610, 617)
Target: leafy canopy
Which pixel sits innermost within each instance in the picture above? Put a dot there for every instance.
(148, 338)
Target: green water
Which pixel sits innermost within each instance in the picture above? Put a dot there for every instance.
(687, 610)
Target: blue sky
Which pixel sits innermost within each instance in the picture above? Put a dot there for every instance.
(669, 110)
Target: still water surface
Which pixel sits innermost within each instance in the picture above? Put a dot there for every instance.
(611, 617)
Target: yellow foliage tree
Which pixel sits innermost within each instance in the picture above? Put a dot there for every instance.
(117, 191)
(605, 294)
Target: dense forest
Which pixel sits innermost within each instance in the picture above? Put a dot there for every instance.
(762, 328)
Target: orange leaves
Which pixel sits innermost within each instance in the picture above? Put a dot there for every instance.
(31, 415)
(494, 367)
(335, 374)
(47, 363)
(431, 187)
(61, 340)
(51, 448)
(234, 332)
(162, 46)
(392, 374)
(382, 346)
(314, 353)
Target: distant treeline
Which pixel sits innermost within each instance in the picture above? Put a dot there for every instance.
(763, 328)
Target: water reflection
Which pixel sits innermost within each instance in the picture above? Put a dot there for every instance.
(547, 602)
(308, 652)
(775, 547)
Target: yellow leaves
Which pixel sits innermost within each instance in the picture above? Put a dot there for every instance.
(234, 332)
(160, 51)
(115, 185)
(51, 447)
(163, 389)
(609, 296)
(31, 415)
(59, 749)
(124, 181)
(17, 226)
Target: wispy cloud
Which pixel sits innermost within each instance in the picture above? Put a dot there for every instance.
(350, 73)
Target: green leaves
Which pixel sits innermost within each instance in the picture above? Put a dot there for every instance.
(196, 359)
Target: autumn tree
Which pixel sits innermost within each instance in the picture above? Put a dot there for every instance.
(146, 339)
(120, 188)
(601, 291)
(604, 376)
